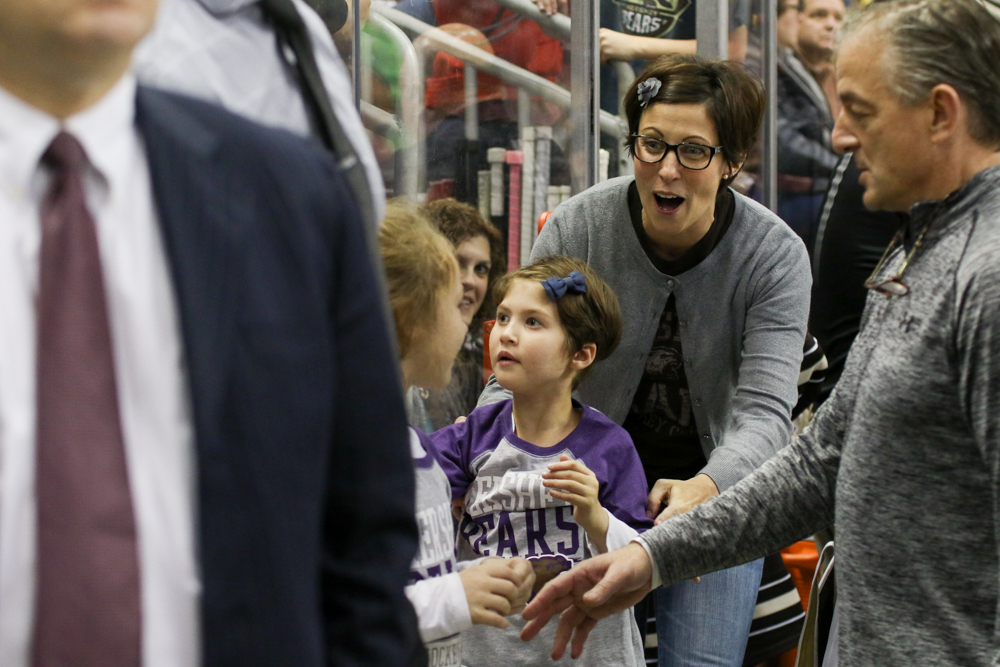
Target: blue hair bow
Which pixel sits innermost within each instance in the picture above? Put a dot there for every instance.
(574, 283)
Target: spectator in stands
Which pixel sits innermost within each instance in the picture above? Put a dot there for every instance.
(651, 29)
(906, 452)
(805, 153)
(819, 22)
(504, 33)
(479, 249)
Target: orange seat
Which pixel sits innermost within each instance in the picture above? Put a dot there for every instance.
(487, 363)
(542, 219)
(801, 559)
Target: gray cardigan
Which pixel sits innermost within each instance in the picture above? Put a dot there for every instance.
(742, 312)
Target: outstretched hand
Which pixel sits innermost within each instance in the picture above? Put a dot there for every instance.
(594, 589)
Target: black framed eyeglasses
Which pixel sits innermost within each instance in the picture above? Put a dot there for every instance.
(691, 156)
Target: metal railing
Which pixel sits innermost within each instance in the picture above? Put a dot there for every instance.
(408, 114)
(490, 64)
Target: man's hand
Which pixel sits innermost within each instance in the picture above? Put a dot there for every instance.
(551, 7)
(679, 496)
(596, 588)
(574, 482)
(496, 588)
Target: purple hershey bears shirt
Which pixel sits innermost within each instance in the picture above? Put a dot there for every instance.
(509, 513)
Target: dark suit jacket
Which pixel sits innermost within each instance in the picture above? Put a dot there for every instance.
(305, 486)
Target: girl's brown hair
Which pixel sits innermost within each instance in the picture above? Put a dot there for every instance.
(460, 222)
(594, 317)
(419, 265)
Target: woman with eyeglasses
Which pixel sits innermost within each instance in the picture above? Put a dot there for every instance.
(714, 290)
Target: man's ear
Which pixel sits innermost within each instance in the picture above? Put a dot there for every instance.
(948, 112)
(584, 356)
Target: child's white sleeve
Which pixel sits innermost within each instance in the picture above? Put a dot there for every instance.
(441, 606)
(619, 534)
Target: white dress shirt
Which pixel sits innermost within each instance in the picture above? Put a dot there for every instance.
(222, 51)
(149, 368)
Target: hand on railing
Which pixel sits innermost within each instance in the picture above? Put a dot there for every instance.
(551, 7)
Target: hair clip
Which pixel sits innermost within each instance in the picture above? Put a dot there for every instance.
(648, 89)
(574, 283)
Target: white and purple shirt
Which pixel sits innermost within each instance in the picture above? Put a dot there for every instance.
(434, 588)
(508, 513)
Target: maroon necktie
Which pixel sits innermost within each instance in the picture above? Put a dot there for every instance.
(88, 611)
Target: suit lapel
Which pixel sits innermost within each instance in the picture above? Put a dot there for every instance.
(199, 219)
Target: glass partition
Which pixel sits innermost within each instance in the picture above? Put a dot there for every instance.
(497, 104)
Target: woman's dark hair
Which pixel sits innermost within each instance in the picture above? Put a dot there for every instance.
(460, 222)
(732, 95)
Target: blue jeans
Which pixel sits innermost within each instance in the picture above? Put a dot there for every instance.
(706, 624)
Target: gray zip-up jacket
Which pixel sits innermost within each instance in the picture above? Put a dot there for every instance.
(742, 313)
(905, 455)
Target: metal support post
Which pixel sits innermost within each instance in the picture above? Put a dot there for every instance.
(585, 128)
(356, 44)
(711, 22)
(769, 166)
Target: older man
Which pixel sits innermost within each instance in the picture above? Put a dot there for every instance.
(905, 455)
(203, 449)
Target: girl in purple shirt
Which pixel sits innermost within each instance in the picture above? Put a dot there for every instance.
(542, 475)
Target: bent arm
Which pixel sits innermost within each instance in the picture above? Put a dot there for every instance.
(801, 155)
(788, 498)
(441, 606)
(620, 46)
(771, 357)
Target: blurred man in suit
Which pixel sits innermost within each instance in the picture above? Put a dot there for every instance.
(203, 451)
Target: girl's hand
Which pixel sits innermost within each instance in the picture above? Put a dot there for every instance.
(525, 574)
(496, 588)
(572, 481)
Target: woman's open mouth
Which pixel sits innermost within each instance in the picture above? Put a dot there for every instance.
(668, 204)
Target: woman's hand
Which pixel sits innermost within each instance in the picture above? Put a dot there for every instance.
(496, 588)
(679, 496)
(572, 481)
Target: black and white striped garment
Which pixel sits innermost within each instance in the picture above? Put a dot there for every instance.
(812, 373)
(778, 616)
(993, 6)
